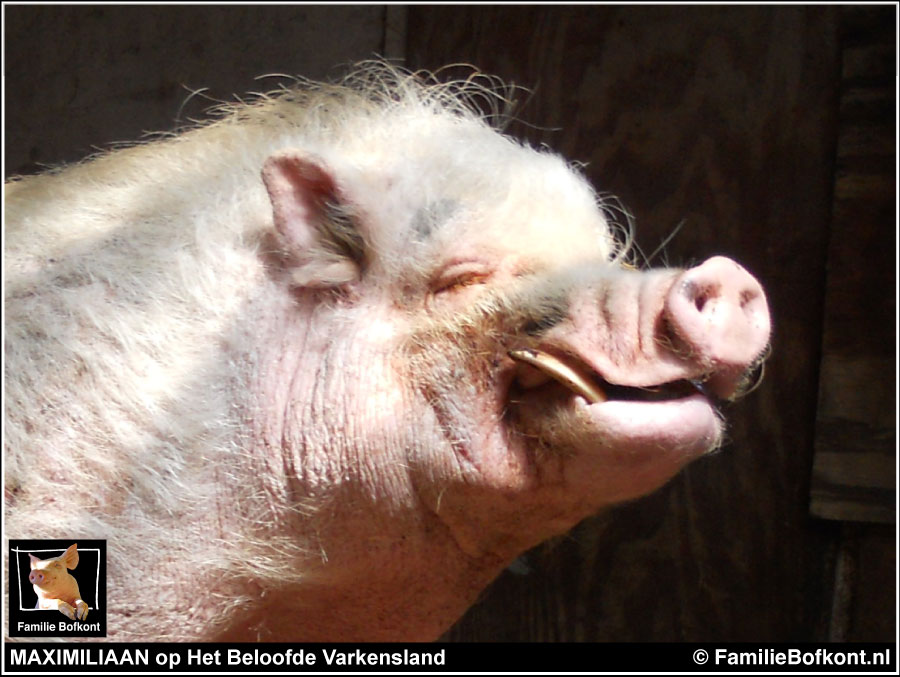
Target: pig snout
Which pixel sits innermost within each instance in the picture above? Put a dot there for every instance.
(36, 578)
(720, 318)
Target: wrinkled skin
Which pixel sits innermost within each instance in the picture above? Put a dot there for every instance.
(463, 468)
(435, 362)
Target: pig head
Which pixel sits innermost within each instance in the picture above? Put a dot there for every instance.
(55, 587)
(336, 359)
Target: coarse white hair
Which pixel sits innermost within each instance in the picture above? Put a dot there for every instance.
(125, 275)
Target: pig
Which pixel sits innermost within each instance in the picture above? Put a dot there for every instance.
(55, 587)
(320, 367)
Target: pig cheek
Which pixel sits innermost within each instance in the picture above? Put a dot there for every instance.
(462, 389)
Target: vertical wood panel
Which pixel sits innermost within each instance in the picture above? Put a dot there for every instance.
(854, 474)
(855, 468)
(80, 77)
(724, 118)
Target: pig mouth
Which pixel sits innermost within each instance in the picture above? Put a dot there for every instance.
(537, 367)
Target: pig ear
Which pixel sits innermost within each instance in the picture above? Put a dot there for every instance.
(34, 560)
(70, 556)
(316, 226)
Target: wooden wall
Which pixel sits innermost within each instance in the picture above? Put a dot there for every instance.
(854, 474)
(79, 77)
(725, 119)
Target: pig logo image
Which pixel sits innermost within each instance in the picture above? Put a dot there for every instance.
(337, 357)
(56, 588)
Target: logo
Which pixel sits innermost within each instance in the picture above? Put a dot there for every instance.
(57, 588)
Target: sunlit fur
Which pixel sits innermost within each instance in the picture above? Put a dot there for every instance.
(126, 275)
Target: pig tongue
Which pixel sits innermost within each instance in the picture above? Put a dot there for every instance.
(562, 372)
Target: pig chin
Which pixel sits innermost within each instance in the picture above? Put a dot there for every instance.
(624, 448)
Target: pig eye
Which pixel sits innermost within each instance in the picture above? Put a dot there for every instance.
(458, 280)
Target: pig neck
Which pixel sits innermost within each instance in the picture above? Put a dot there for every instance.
(332, 431)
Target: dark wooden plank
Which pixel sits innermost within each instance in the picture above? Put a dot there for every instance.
(874, 612)
(854, 472)
(724, 118)
(864, 606)
(82, 76)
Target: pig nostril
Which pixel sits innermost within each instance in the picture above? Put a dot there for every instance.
(699, 294)
(747, 297)
(700, 302)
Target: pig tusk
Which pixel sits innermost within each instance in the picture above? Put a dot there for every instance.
(560, 371)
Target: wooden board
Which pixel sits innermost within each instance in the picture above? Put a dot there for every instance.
(723, 118)
(855, 468)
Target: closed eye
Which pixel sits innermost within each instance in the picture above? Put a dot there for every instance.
(459, 276)
(460, 282)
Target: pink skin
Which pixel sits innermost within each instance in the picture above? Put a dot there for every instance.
(426, 491)
(618, 450)
(710, 324)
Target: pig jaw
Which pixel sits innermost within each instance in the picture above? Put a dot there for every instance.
(537, 460)
(427, 482)
(369, 561)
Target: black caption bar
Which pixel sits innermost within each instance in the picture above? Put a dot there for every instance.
(439, 657)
